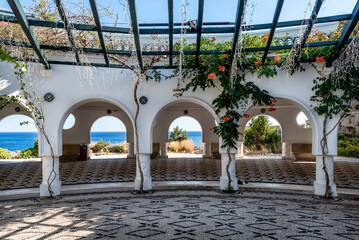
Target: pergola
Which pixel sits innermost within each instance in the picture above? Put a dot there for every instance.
(139, 29)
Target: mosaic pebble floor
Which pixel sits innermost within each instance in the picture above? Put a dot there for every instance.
(208, 215)
(28, 175)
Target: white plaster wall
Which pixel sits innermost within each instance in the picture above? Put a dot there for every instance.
(74, 85)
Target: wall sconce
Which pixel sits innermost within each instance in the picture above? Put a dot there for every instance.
(49, 97)
(109, 111)
(263, 110)
(17, 109)
(143, 100)
(185, 112)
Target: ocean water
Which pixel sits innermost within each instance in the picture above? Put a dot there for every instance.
(24, 140)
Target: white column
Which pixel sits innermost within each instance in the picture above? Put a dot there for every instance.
(50, 175)
(232, 172)
(163, 150)
(320, 181)
(207, 153)
(131, 150)
(286, 150)
(146, 170)
(240, 150)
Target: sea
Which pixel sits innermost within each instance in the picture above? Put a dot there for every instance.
(24, 140)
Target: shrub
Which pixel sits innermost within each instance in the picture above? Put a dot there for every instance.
(178, 135)
(118, 148)
(31, 152)
(185, 146)
(348, 145)
(4, 154)
(101, 145)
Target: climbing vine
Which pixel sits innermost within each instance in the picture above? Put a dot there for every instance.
(32, 104)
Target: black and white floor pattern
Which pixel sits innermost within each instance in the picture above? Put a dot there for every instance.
(208, 215)
(28, 175)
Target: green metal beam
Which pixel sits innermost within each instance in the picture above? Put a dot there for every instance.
(312, 20)
(278, 9)
(19, 12)
(199, 29)
(147, 31)
(136, 32)
(99, 30)
(237, 27)
(349, 27)
(170, 29)
(67, 26)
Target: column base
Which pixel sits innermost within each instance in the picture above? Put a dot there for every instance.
(131, 156)
(147, 184)
(55, 186)
(164, 156)
(207, 156)
(319, 189)
(224, 183)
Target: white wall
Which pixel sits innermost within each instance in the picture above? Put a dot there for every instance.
(76, 85)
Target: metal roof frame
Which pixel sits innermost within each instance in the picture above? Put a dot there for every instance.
(139, 29)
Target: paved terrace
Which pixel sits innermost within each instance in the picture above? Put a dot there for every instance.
(259, 169)
(200, 215)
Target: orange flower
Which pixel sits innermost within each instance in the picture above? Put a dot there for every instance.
(226, 55)
(320, 59)
(264, 39)
(271, 109)
(210, 129)
(221, 68)
(226, 119)
(277, 58)
(214, 38)
(245, 115)
(267, 33)
(274, 100)
(257, 63)
(212, 76)
(275, 61)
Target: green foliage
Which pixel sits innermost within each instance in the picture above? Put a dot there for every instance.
(348, 145)
(261, 134)
(4, 154)
(215, 70)
(101, 145)
(178, 134)
(31, 152)
(334, 94)
(117, 148)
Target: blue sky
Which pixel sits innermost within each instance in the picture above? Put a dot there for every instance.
(261, 11)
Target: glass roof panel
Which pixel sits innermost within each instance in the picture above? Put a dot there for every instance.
(154, 42)
(117, 41)
(112, 13)
(215, 11)
(48, 12)
(336, 7)
(51, 36)
(154, 11)
(4, 7)
(191, 13)
(296, 10)
(79, 11)
(259, 11)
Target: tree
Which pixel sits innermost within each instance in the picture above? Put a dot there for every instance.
(178, 134)
(261, 133)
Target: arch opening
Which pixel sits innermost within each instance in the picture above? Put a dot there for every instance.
(262, 136)
(108, 137)
(185, 137)
(18, 133)
(101, 129)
